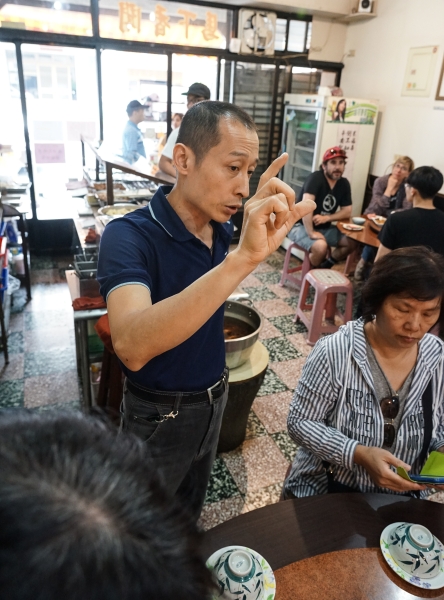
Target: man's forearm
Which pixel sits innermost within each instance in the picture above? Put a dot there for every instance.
(308, 224)
(166, 165)
(153, 330)
(343, 213)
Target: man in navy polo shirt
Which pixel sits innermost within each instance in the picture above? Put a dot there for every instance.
(165, 272)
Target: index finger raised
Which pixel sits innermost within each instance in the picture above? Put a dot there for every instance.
(272, 170)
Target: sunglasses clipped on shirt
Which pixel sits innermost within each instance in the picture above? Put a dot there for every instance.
(389, 408)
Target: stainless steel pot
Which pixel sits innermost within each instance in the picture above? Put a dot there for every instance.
(238, 350)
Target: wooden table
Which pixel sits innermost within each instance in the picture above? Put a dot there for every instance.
(345, 529)
(367, 236)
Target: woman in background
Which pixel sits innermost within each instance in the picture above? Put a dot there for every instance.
(388, 195)
(371, 396)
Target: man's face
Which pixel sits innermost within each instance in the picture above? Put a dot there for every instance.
(139, 115)
(214, 188)
(192, 100)
(334, 168)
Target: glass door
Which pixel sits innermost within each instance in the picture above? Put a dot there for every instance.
(62, 103)
(301, 128)
(128, 76)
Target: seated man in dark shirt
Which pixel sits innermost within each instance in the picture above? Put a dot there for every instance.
(423, 225)
(331, 191)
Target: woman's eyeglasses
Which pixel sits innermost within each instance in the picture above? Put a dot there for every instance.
(389, 408)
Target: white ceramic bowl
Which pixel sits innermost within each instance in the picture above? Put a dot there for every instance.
(242, 573)
(415, 550)
(358, 220)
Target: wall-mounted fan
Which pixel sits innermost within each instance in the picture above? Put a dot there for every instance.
(257, 31)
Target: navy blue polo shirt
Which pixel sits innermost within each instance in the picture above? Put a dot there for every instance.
(152, 247)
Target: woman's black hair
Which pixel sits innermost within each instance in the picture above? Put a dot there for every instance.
(416, 272)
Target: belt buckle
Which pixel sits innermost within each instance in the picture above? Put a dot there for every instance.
(223, 380)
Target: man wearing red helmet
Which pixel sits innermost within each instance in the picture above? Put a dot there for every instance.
(332, 194)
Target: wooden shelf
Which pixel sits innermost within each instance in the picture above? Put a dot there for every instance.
(355, 17)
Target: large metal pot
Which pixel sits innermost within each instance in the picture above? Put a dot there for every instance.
(238, 350)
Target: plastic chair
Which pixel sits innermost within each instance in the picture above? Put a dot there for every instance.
(327, 285)
(287, 274)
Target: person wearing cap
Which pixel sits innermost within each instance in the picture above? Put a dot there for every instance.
(197, 92)
(132, 140)
(332, 194)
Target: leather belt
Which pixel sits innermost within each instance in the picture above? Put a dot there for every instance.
(212, 393)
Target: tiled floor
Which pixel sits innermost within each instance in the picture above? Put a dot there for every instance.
(42, 375)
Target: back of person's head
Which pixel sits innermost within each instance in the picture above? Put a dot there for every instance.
(82, 516)
(415, 272)
(200, 130)
(426, 180)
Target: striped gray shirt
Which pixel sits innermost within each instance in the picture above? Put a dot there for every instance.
(334, 409)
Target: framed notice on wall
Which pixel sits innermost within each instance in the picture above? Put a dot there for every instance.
(418, 76)
(440, 90)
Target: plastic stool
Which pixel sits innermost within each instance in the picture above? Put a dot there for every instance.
(327, 285)
(287, 274)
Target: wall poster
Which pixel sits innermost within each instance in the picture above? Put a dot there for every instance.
(351, 110)
(419, 72)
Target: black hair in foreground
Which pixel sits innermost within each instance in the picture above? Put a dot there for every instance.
(415, 272)
(81, 516)
(427, 180)
(199, 129)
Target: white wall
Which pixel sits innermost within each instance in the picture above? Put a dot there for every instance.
(328, 40)
(410, 126)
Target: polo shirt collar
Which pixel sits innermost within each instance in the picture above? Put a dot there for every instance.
(164, 214)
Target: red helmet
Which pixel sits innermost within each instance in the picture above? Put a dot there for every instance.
(335, 152)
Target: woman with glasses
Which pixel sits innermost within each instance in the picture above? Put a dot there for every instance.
(371, 396)
(388, 195)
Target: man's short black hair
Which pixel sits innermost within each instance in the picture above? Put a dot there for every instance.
(82, 516)
(199, 129)
(415, 272)
(427, 180)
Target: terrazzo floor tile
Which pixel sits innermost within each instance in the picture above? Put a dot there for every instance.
(65, 406)
(286, 445)
(11, 394)
(273, 410)
(49, 361)
(16, 342)
(276, 260)
(251, 281)
(218, 512)
(289, 371)
(14, 369)
(263, 497)
(300, 341)
(260, 293)
(254, 427)
(263, 267)
(48, 276)
(49, 297)
(273, 308)
(51, 389)
(292, 301)
(281, 292)
(280, 349)
(47, 338)
(271, 384)
(269, 278)
(285, 324)
(258, 463)
(43, 319)
(268, 330)
(222, 484)
(39, 263)
(16, 322)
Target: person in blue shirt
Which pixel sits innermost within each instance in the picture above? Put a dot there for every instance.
(165, 273)
(132, 139)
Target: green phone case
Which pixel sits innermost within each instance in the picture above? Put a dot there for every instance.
(434, 467)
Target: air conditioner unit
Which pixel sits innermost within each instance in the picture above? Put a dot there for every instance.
(256, 31)
(365, 6)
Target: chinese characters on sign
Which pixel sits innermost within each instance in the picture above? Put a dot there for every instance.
(186, 30)
(130, 17)
(347, 138)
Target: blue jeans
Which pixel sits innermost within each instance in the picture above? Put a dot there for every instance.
(182, 449)
(369, 254)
